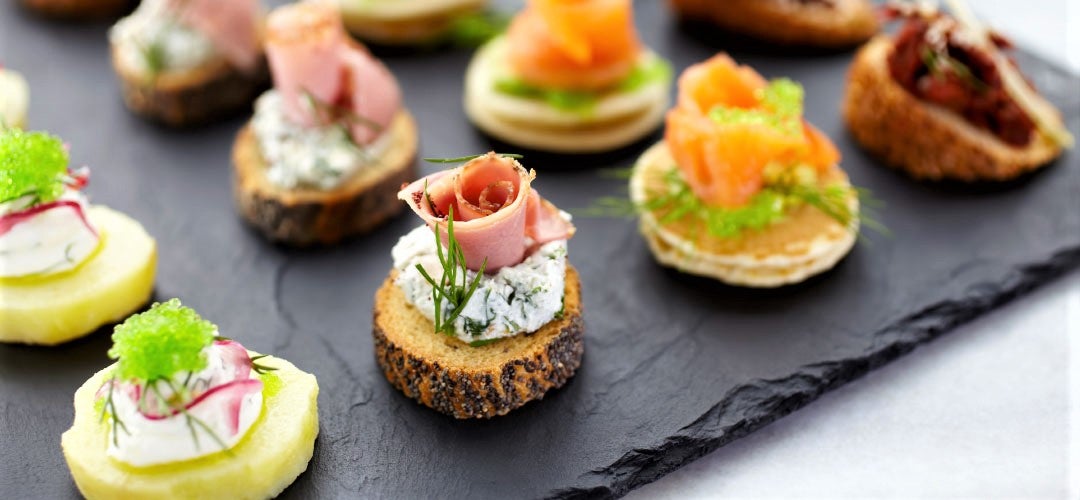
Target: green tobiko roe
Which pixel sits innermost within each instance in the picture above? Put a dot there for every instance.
(31, 164)
(159, 343)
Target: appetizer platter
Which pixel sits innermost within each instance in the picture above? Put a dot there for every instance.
(650, 367)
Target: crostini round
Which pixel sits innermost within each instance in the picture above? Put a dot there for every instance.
(807, 23)
(14, 99)
(976, 121)
(568, 77)
(481, 312)
(390, 22)
(69, 267)
(330, 145)
(194, 423)
(190, 63)
(742, 189)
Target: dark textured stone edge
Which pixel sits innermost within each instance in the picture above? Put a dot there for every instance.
(752, 406)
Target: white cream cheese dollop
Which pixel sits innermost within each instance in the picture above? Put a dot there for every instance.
(53, 240)
(153, 26)
(144, 441)
(516, 299)
(320, 157)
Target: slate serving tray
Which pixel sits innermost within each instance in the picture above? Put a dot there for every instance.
(675, 366)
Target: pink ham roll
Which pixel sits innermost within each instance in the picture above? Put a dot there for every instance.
(497, 215)
(232, 25)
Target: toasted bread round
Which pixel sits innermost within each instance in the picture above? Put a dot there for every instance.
(307, 216)
(882, 115)
(454, 378)
(80, 9)
(188, 98)
(807, 242)
(14, 99)
(788, 22)
(113, 283)
(404, 23)
(615, 121)
(268, 459)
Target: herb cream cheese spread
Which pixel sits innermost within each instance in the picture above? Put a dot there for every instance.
(153, 40)
(516, 299)
(321, 157)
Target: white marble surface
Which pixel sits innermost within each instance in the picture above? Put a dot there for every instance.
(991, 410)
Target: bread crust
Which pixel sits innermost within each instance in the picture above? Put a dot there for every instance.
(305, 217)
(79, 9)
(850, 23)
(807, 242)
(883, 118)
(189, 98)
(453, 378)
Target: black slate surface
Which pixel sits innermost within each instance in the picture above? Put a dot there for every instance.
(675, 366)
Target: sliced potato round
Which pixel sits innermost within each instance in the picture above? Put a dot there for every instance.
(115, 282)
(274, 453)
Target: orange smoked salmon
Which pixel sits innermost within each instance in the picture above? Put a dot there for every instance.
(724, 131)
(574, 44)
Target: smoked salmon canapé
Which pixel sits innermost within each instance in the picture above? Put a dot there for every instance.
(66, 267)
(825, 24)
(79, 10)
(190, 62)
(481, 299)
(330, 145)
(185, 413)
(943, 99)
(742, 189)
(408, 22)
(569, 76)
(14, 99)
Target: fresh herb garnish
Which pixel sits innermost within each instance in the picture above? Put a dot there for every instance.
(939, 63)
(785, 189)
(454, 286)
(260, 368)
(463, 159)
(32, 164)
(328, 114)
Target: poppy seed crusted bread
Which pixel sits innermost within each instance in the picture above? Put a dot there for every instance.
(454, 378)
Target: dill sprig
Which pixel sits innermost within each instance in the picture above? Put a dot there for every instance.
(463, 159)
(328, 114)
(785, 189)
(260, 368)
(454, 286)
(108, 410)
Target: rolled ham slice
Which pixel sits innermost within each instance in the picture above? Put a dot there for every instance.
(497, 214)
(303, 46)
(232, 25)
(310, 53)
